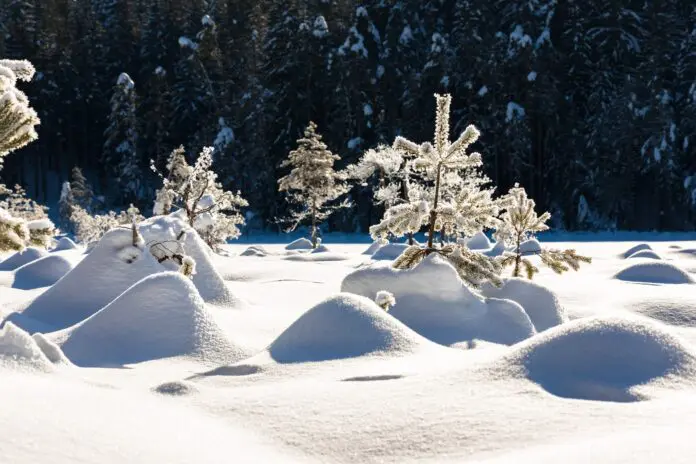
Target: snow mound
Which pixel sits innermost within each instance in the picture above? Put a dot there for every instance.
(300, 244)
(19, 351)
(321, 249)
(635, 249)
(497, 250)
(656, 273)
(603, 359)
(317, 257)
(162, 316)
(479, 242)
(374, 247)
(21, 258)
(50, 349)
(43, 272)
(390, 251)
(669, 309)
(65, 244)
(540, 303)
(254, 251)
(530, 247)
(432, 300)
(99, 278)
(344, 326)
(648, 254)
(207, 280)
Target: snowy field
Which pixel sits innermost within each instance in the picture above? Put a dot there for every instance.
(261, 358)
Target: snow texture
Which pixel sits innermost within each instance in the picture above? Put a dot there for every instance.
(19, 351)
(65, 244)
(51, 350)
(635, 249)
(21, 258)
(540, 303)
(344, 326)
(372, 249)
(603, 358)
(646, 254)
(655, 273)
(161, 316)
(321, 249)
(43, 272)
(497, 250)
(40, 224)
(390, 251)
(300, 244)
(255, 250)
(530, 247)
(479, 242)
(433, 301)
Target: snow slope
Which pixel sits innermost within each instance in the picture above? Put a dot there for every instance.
(43, 272)
(21, 258)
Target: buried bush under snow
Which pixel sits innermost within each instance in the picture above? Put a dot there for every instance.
(432, 300)
(657, 272)
(344, 326)
(161, 316)
(42, 272)
(602, 358)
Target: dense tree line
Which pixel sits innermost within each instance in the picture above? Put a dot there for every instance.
(591, 104)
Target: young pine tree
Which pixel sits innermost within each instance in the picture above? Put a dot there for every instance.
(519, 223)
(17, 118)
(81, 190)
(312, 184)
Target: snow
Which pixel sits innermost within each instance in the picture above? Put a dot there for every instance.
(656, 273)
(646, 254)
(479, 242)
(433, 301)
(65, 244)
(300, 244)
(21, 258)
(540, 303)
(124, 80)
(376, 245)
(530, 247)
(40, 224)
(159, 317)
(354, 143)
(604, 359)
(635, 249)
(185, 42)
(321, 29)
(514, 112)
(531, 77)
(344, 326)
(351, 382)
(483, 91)
(389, 252)
(254, 251)
(43, 272)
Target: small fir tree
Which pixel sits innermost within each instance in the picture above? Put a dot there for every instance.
(519, 223)
(17, 119)
(66, 203)
(81, 190)
(313, 184)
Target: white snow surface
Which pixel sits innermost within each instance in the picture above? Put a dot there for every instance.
(43, 272)
(646, 254)
(479, 242)
(161, 316)
(65, 243)
(530, 247)
(390, 251)
(21, 258)
(40, 224)
(299, 244)
(656, 272)
(374, 391)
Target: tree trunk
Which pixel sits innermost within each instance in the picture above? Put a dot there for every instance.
(518, 258)
(314, 226)
(433, 212)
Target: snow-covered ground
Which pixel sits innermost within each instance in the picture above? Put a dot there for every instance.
(593, 366)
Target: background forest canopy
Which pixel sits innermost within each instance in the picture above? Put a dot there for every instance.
(590, 104)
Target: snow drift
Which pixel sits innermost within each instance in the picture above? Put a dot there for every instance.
(255, 250)
(65, 244)
(344, 326)
(479, 242)
(161, 316)
(604, 359)
(19, 351)
(43, 272)
(390, 251)
(530, 247)
(540, 303)
(649, 254)
(497, 250)
(21, 258)
(655, 272)
(635, 249)
(374, 247)
(432, 300)
(299, 244)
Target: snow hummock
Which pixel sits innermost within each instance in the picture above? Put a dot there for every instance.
(655, 272)
(530, 247)
(321, 249)
(299, 244)
(254, 250)
(635, 249)
(603, 358)
(21, 258)
(646, 254)
(43, 272)
(432, 300)
(390, 251)
(344, 326)
(161, 316)
(65, 244)
(540, 303)
(374, 247)
(40, 224)
(19, 351)
(478, 242)
(497, 250)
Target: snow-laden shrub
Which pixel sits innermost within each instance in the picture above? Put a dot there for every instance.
(17, 118)
(14, 233)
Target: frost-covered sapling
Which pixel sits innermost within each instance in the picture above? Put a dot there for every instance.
(467, 210)
(212, 211)
(385, 300)
(312, 184)
(17, 119)
(41, 228)
(519, 223)
(90, 228)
